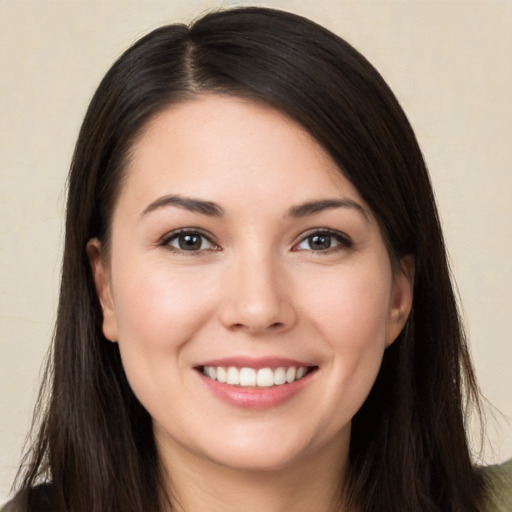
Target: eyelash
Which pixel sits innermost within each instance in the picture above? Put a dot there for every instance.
(175, 235)
(344, 241)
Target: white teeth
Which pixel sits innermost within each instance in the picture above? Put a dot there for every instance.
(279, 376)
(222, 376)
(265, 378)
(290, 374)
(300, 373)
(249, 377)
(233, 377)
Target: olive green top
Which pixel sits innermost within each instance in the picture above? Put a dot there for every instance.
(498, 482)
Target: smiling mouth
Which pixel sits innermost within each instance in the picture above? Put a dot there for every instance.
(256, 378)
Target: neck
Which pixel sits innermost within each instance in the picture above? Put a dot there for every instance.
(311, 484)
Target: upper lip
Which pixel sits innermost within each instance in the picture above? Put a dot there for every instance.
(255, 362)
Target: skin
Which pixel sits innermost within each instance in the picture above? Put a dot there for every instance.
(256, 287)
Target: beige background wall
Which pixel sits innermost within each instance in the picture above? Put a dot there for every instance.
(448, 62)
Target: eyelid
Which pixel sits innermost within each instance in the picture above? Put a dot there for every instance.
(165, 240)
(344, 240)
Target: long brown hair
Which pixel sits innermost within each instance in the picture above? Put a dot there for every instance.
(408, 447)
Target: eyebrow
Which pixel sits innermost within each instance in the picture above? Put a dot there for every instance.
(312, 207)
(212, 209)
(188, 203)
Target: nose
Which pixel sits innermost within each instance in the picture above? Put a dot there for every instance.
(256, 298)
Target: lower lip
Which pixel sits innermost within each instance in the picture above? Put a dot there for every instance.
(256, 398)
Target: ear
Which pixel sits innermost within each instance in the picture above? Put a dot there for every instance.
(401, 298)
(101, 276)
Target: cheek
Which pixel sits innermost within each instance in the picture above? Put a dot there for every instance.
(157, 312)
(351, 307)
(350, 312)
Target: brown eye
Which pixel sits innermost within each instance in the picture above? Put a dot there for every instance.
(319, 242)
(324, 241)
(189, 242)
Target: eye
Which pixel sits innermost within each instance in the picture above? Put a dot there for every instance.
(188, 241)
(324, 241)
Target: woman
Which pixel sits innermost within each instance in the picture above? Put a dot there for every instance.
(255, 309)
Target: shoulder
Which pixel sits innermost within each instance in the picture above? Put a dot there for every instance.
(37, 499)
(498, 487)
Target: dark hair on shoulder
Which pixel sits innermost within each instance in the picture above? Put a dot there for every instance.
(408, 449)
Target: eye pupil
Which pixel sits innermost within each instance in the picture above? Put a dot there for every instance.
(190, 242)
(320, 242)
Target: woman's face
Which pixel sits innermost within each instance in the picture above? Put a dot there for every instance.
(239, 252)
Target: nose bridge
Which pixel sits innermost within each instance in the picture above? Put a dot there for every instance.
(256, 298)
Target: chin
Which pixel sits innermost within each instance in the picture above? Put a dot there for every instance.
(274, 449)
(257, 459)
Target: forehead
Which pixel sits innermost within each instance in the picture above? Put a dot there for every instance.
(227, 148)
